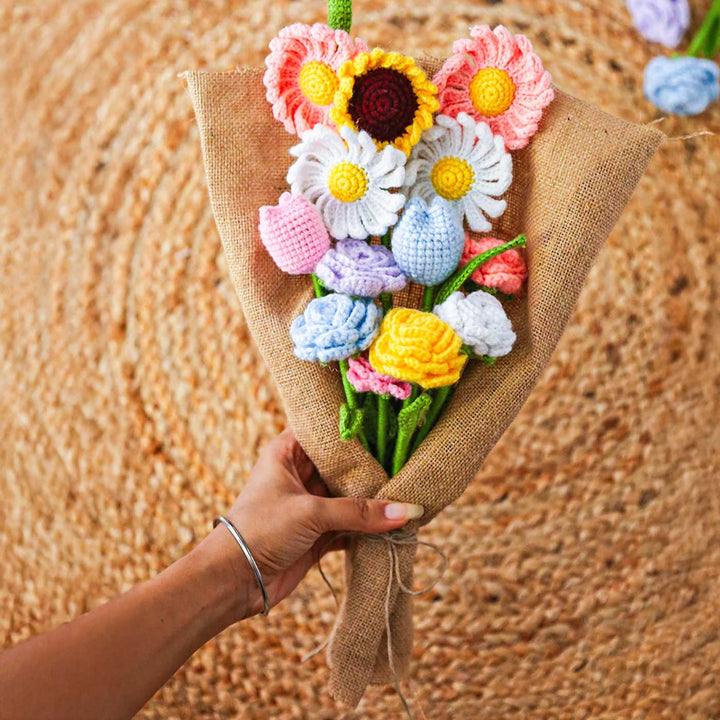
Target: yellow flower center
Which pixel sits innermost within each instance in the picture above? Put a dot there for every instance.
(347, 182)
(318, 82)
(492, 91)
(452, 178)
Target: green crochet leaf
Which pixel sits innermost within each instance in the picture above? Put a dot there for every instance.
(351, 421)
(458, 279)
(411, 416)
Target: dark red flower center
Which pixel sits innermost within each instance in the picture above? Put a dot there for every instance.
(383, 104)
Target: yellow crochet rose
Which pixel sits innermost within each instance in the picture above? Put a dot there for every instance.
(417, 347)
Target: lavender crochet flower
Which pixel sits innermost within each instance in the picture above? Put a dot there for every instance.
(355, 268)
(682, 85)
(428, 240)
(335, 327)
(662, 21)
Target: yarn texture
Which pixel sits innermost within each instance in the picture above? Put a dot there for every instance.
(480, 321)
(301, 76)
(364, 378)
(294, 234)
(496, 78)
(355, 268)
(334, 327)
(387, 95)
(460, 160)
(661, 21)
(349, 180)
(428, 240)
(505, 272)
(682, 85)
(417, 347)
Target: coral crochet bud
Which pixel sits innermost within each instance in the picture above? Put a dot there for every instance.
(428, 240)
(417, 347)
(294, 234)
(480, 321)
(505, 272)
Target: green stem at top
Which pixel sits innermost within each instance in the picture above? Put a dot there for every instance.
(340, 14)
(428, 298)
(706, 42)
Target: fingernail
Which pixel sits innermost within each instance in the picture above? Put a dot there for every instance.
(403, 511)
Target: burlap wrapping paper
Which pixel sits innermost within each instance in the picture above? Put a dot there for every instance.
(571, 184)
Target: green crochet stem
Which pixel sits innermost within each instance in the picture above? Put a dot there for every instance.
(383, 427)
(386, 298)
(318, 285)
(340, 14)
(428, 297)
(706, 42)
(456, 281)
(408, 420)
(438, 403)
(351, 397)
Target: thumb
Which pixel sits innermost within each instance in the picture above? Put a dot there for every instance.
(363, 515)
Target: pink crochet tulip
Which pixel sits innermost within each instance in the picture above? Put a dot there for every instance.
(294, 234)
(364, 379)
(505, 272)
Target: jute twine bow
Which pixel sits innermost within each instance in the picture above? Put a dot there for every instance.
(393, 540)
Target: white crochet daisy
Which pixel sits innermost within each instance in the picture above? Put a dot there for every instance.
(349, 180)
(460, 160)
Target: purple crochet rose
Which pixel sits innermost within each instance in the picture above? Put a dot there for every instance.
(355, 268)
(662, 21)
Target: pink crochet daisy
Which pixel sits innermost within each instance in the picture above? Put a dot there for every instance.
(301, 77)
(505, 272)
(496, 78)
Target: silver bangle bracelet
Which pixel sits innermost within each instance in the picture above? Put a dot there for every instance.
(248, 555)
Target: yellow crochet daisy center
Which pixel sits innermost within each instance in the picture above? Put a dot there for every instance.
(318, 82)
(425, 94)
(492, 91)
(347, 182)
(417, 347)
(452, 178)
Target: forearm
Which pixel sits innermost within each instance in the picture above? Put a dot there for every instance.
(109, 662)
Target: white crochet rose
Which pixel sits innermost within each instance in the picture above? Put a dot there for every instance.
(480, 321)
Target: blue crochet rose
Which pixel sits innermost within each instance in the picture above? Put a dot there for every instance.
(335, 327)
(682, 85)
(428, 240)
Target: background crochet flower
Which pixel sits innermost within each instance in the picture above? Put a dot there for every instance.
(505, 272)
(334, 327)
(355, 268)
(496, 78)
(662, 21)
(428, 241)
(387, 95)
(682, 85)
(349, 180)
(480, 320)
(294, 234)
(417, 347)
(364, 379)
(460, 160)
(301, 77)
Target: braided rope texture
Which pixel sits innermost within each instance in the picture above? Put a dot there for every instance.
(584, 559)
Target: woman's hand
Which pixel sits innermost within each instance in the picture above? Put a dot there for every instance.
(287, 519)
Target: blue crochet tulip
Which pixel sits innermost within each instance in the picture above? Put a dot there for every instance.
(682, 85)
(335, 327)
(428, 241)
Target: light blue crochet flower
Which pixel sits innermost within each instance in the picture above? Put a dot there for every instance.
(682, 85)
(428, 240)
(335, 327)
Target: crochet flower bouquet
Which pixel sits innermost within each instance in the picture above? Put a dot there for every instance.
(374, 211)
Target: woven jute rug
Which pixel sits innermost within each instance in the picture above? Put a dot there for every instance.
(584, 577)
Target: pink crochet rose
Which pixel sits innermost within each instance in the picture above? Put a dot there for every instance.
(505, 272)
(301, 77)
(364, 379)
(496, 78)
(294, 234)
